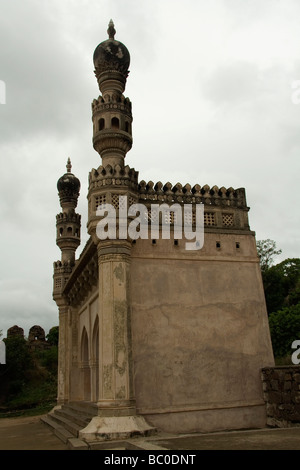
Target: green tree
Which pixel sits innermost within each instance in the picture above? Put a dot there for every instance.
(29, 377)
(274, 289)
(284, 329)
(282, 284)
(266, 250)
(52, 336)
(49, 359)
(290, 272)
(18, 362)
(18, 357)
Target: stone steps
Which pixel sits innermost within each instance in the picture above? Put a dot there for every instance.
(77, 419)
(66, 421)
(85, 408)
(57, 429)
(69, 422)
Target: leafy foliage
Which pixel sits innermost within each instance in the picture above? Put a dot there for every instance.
(49, 359)
(29, 377)
(282, 284)
(18, 357)
(52, 336)
(284, 329)
(282, 292)
(266, 250)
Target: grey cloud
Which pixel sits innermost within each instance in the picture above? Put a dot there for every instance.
(199, 117)
(240, 82)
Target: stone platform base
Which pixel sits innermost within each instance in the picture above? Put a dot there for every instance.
(115, 427)
(206, 419)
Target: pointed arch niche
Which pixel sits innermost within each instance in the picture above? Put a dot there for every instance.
(85, 366)
(95, 361)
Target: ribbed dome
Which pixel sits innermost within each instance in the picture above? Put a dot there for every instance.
(111, 55)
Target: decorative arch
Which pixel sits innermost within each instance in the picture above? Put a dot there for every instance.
(95, 340)
(84, 346)
(115, 123)
(85, 365)
(95, 360)
(101, 124)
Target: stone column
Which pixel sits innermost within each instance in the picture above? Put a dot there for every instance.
(63, 366)
(94, 366)
(115, 347)
(116, 404)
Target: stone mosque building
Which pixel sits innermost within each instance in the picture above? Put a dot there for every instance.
(154, 336)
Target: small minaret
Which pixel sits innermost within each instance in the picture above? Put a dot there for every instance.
(67, 226)
(112, 118)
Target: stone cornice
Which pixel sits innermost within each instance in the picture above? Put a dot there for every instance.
(84, 275)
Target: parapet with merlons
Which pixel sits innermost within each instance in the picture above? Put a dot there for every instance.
(72, 217)
(187, 194)
(112, 102)
(116, 176)
(62, 271)
(223, 207)
(107, 183)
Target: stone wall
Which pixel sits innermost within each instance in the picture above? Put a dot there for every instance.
(36, 338)
(281, 387)
(198, 318)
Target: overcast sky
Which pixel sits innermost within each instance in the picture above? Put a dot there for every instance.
(211, 85)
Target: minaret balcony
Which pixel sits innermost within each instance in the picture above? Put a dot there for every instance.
(108, 141)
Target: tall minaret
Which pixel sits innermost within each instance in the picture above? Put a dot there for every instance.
(112, 118)
(112, 131)
(67, 226)
(112, 183)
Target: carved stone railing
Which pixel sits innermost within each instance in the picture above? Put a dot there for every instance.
(187, 194)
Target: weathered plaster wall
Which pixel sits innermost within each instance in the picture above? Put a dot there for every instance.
(200, 334)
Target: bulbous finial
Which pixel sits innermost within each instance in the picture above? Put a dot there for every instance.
(111, 30)
(68, 165)
(111, 61)
(68, 186)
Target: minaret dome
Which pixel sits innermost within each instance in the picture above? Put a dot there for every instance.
(68, 187)
(112, 114)
(111, 60)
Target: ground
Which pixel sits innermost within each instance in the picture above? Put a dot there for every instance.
(29, 433)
